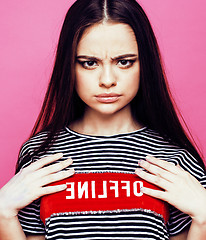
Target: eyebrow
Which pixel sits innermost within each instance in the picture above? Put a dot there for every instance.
(91, 58)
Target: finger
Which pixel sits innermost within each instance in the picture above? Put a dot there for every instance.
(52, 189)
(156, 170)
(44, 161)
(154, 193)
(156, 180)
(163, 164)
(55, 167)
(56, 177)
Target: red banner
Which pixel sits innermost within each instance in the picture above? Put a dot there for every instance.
(93, 192)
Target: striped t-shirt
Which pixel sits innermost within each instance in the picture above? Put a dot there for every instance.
(112, 157)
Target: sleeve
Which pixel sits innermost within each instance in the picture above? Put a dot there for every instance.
(29, 217)
(178, 220)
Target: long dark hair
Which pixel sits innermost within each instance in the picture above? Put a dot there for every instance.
(153, 105)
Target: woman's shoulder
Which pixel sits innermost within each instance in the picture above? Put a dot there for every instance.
(35, 141)
(174, 153)
(33, 144)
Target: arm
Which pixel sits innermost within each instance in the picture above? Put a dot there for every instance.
(10, 228)
(181, 190)
(36, 238)
(25, 187)
(13, 227)
(196, 231)
(182, 236)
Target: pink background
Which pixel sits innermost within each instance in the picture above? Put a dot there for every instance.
(29, 34)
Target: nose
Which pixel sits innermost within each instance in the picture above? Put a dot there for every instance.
(107, 77)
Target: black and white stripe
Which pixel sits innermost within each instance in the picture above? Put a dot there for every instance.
(118, 153)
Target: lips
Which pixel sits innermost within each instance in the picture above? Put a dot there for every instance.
(107, 97)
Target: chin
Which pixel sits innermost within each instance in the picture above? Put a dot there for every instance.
(108, 112)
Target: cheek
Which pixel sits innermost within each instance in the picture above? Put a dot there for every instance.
(132, 82)
(83, 84)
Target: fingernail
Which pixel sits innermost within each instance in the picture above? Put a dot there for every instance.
(138, 170)
(68, 161)
(72, 170)
(142, 189)
(142, 162)
(63, 186)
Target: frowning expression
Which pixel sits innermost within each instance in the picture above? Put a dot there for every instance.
(107, 68)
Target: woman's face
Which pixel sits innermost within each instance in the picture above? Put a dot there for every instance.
(107, 68)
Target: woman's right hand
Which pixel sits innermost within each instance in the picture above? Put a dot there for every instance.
(31, 183)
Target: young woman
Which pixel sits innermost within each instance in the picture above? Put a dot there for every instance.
(107, 114)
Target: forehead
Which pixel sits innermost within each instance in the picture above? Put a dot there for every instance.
(108, 38)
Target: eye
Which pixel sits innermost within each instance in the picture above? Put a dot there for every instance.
(88, 64)
(125, 63)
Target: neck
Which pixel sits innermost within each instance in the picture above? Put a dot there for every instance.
(104, 125)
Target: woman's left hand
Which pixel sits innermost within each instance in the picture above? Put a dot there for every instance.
(179, 188)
